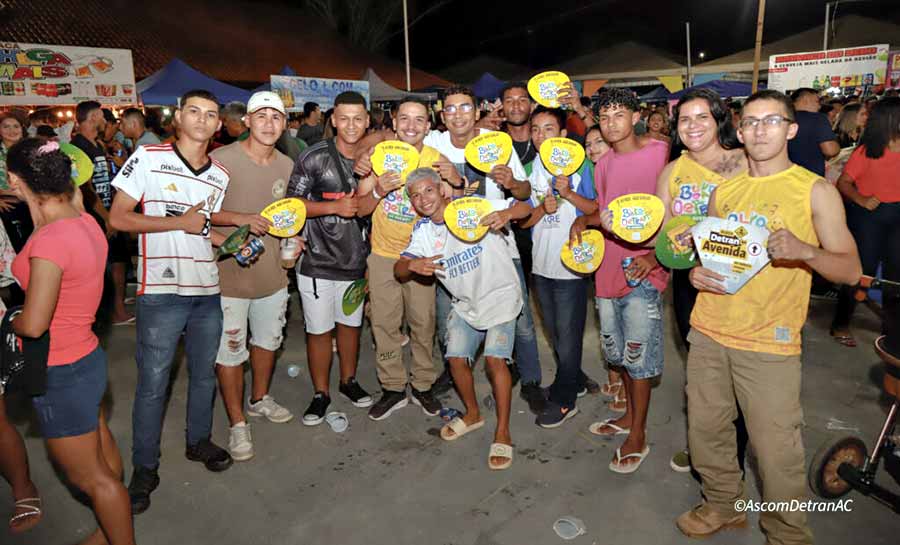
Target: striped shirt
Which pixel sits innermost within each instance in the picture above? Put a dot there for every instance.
(166, 185)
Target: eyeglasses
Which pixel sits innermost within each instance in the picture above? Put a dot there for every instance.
(464, 108)
(768, 121)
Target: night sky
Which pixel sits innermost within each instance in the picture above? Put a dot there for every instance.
(533, 34)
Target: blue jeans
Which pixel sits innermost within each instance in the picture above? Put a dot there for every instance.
(160, 321)
(631, 331)
(526, 350)
(564, 310)
(463, 340)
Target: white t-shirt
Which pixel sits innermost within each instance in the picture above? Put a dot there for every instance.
(481, 277)
(491, 191)
(552, 232)
(166, 185)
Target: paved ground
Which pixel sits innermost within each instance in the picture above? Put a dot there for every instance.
(396, 482)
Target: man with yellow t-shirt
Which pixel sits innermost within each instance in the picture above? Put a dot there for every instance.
(393, 218)
(745, 347)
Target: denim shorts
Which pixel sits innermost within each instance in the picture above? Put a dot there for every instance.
(464, 340)
(71, 405)
(264, 317)
(631, 331)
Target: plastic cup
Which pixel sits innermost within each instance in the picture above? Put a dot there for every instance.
(288, 247)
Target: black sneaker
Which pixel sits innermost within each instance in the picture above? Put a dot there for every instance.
(582, 392)
(534, 395)
(354, 392)
(315, 413)
(591, 385)
(554, 415)
(143, 482)
(514, 373)
(443, 384)
(430, 404)
(390, 401)
(215, 458)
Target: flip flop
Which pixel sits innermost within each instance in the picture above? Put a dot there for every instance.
(611, 389)
(129, 321)
(616, 465)
(608, 423)
(459, 428)
(499, 450)
(844, 340)
(618, 404)
(30, 511)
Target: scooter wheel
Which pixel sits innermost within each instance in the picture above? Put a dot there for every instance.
(823, 469)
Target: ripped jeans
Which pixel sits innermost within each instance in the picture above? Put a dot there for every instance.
(631, 331)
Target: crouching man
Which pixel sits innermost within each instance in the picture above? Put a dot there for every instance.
(487, 299)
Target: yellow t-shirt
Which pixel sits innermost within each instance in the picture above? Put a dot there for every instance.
(767, 314)
(394, 217)
(690, 186)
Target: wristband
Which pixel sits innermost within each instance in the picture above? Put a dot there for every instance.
(206, 226)
(375, 194)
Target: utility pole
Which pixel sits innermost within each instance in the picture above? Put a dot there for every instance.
(757, 50)
(687, 26)
(406, 44)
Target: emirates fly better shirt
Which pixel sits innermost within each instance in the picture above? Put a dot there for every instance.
(481, 277)
(166, 185)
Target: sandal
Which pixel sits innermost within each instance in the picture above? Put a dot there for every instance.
(611, 389)
(608, 423)
(618, 404)
(31, 508)
(459, 428)
(616, 465)
(499, 450)
(844, 340)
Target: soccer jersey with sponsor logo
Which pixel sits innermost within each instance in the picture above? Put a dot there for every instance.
(166, 185)
(480, 276)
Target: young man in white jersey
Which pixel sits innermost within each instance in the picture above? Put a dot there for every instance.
(178, 187)
(254, 297)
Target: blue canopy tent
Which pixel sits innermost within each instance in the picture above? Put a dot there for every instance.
(166, 86)
(726, 89)
(267, 86)
(488, 86)
(658, 94)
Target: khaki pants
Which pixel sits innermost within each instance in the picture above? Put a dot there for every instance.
(390, 301)
(767, 387)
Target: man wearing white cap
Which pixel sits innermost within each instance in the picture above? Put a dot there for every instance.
(255, 295)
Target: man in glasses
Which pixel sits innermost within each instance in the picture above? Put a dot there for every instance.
(745, 347)
(502, 182)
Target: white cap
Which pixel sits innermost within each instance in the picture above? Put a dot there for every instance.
(265, 99)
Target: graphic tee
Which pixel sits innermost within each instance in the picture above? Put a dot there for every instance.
(481, 277)
(767, 314)
(251, 188)
(101, 178)
(394, 217)
(166, 185)
(552, 232)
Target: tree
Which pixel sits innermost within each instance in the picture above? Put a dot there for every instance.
(367, 24)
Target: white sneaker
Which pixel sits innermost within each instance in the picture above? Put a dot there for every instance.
(271, 410)
(239, 443)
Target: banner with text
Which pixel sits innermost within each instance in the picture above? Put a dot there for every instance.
(850, 67)
(297, 90)
(893, 77)
(35, 74)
